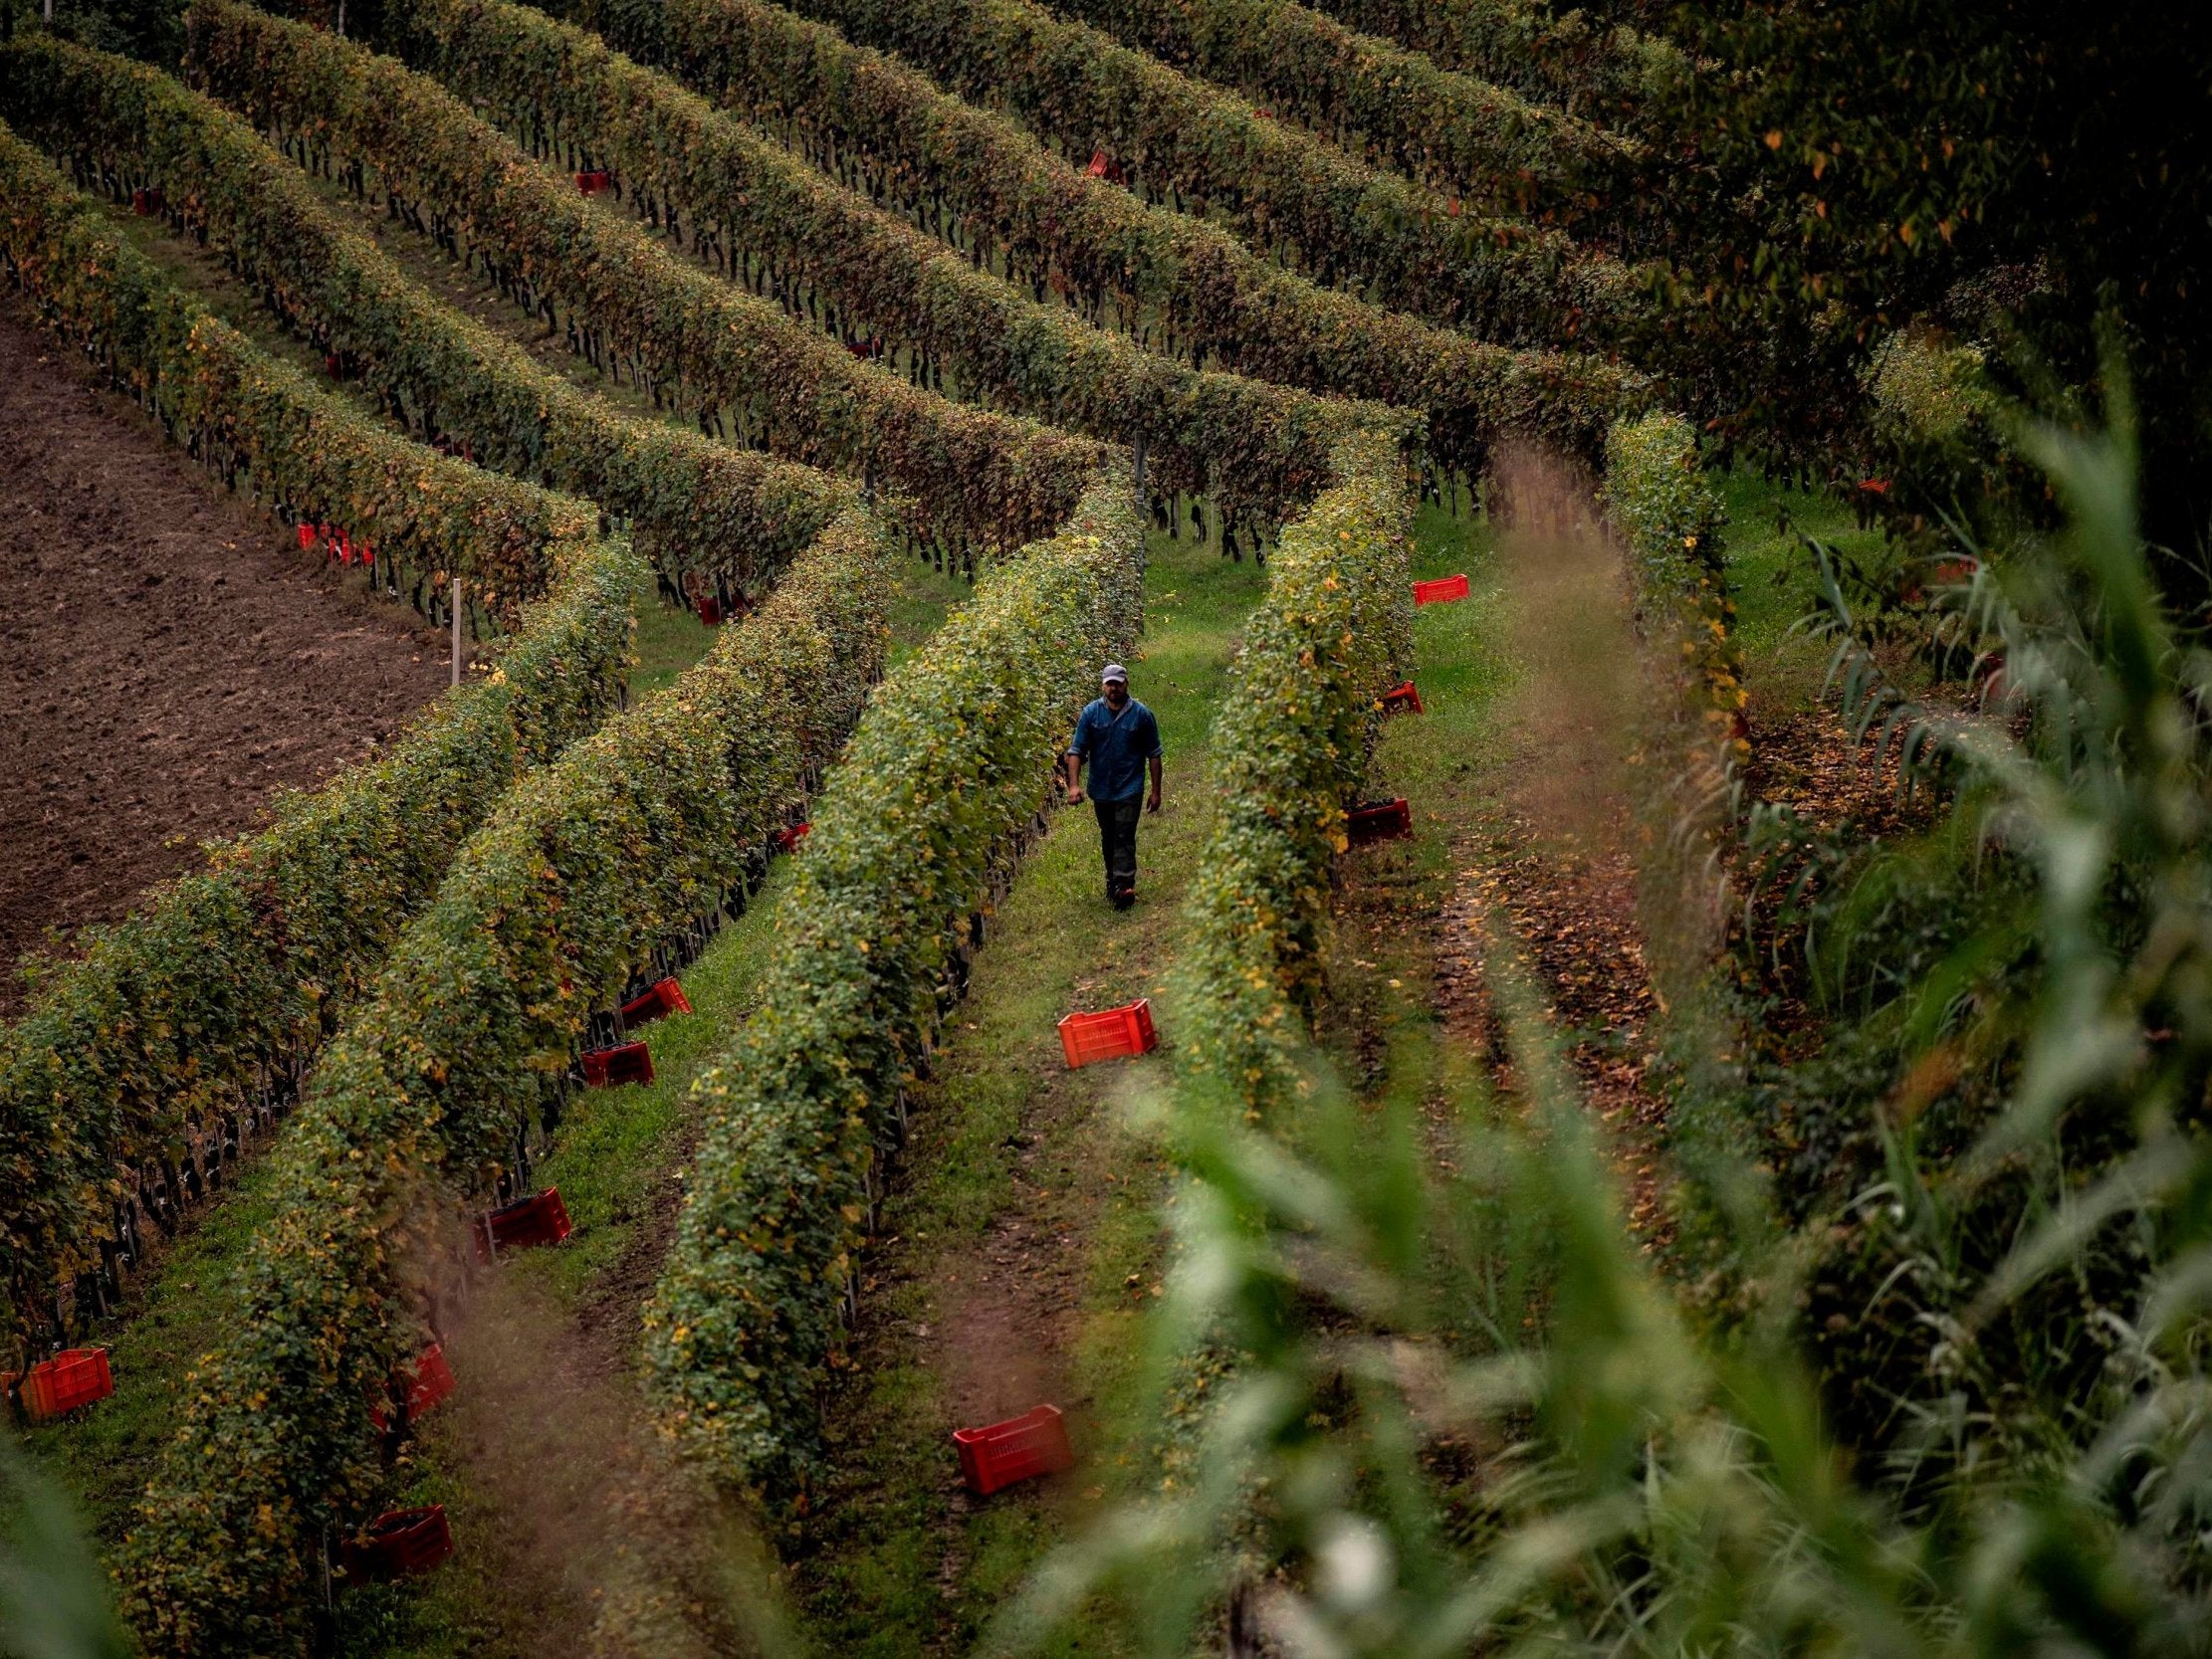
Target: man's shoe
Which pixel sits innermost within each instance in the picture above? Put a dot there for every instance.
(1122, 898)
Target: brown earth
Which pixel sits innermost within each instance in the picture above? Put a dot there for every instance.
(173, 661)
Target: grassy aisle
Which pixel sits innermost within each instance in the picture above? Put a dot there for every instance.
(1386, 1020)
(1020, 1230)
(514, 1421)
(1408, 1020)
(540, 1456)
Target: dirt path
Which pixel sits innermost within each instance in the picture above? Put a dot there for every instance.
(1574, 930)
(171, 661)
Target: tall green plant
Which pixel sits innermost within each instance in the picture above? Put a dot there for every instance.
(1598, 1470)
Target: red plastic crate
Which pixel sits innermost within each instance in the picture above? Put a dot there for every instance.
(1108, 1035)
(611, 1068)
(709, 611)
(1018, 1449)
(1380, 821)
(428, 1385)
(1440, 592)
(398, 1543)
(149, 201)
(659, 1001)
(592, 180)
(790, 839)
(542, 1219)
(433, 1378)
(1402, 699)
(75, 1377)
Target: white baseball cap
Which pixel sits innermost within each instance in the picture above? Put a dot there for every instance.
(1113, 671)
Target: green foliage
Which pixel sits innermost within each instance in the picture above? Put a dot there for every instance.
(476, 1017)
(688, 502)
(1181, 283)
(699, 341)
(1254, 446)
(227, 974)
(1292, 740)
(1461, 138)
(53, 1599)
(1340, 221)
(912, 840)
(1667, 512)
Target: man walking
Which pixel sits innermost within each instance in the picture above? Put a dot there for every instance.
(1119, 737)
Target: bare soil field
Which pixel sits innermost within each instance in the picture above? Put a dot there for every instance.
(170, 662)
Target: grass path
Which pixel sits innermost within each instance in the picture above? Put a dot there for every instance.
(1019, 1234)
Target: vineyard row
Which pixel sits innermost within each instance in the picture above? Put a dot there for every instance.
(1349, 224)
(1177, 284)
(915, 838)
(1258, 449)
(472, 1028)
(688, 502)
(1458, 135)
(1571, 58)
(1294, 734)
(975, 478)
(213, 995)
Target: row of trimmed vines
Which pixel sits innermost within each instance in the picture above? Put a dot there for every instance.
(205, 1004)
(1374, 233)
(1178, 284)
(1260, 450)
(915, 837)
(1572, 58)
(1668, 516)
(1294, 734)
(1456, 134)
(688, 502)
(472, 1029)
(976, 478)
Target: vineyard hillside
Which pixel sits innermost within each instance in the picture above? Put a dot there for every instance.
(1620, 1068)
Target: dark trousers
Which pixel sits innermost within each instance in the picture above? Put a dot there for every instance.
(1117, 844)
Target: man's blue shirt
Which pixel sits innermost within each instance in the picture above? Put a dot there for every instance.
(1117, 747)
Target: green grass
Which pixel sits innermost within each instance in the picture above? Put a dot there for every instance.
(1377, 1021)
(1773, 580)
